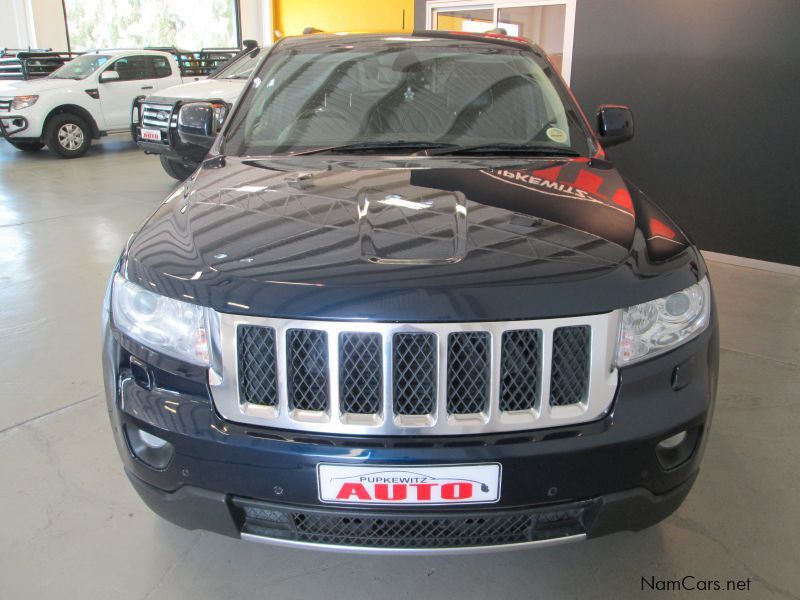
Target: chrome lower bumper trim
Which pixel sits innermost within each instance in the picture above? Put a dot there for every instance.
(413, 551)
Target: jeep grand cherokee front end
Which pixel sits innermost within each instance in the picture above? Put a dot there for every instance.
(406, 305)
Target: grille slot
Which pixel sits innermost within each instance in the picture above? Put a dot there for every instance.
(467, 372)
(570, 371)
(521, 370)
(361, 373)
(414, 373)
(258, 367)
(437, 530)
(307, 369)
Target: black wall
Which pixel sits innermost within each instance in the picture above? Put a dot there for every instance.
(715, 89)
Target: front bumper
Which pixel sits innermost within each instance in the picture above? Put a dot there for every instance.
(259, 483)
(12, 125)
(170, 145)
(376, 532)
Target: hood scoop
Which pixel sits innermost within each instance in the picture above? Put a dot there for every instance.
(413, 230)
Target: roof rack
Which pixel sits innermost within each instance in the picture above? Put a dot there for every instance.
(32, 63)
(199, 63)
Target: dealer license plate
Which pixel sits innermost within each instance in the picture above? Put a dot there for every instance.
(153, 135)
(450, 484)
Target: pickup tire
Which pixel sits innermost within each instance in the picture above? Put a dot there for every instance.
(68, 135)
(27, 146)
(176, 169)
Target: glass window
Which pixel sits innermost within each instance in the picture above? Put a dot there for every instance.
(132, 68)
(184, 24)
(241, 68)
(160, 66)
(543, 25)
(81, 67)
(442, 92)
(473, 19)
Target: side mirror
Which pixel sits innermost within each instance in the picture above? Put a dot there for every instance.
(614, 124)
(199, 122)
(107, 76)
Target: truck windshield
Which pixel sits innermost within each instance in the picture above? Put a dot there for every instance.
(404, 95)
(241, 68)
(81, 67)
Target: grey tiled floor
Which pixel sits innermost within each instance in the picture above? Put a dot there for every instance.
(72, 526)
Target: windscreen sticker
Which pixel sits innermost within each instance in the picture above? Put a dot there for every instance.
(557, 135)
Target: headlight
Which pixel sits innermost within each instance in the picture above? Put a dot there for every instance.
(658, 326)
(220, 112)
(176, 328)
(20, 102)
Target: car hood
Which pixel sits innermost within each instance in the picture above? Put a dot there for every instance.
(205, 89)
(438, 239)
(37, 86)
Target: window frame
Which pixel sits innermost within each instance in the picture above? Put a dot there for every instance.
(497, 5)
(151, 75)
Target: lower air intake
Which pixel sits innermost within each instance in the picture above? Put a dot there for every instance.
(414, 530)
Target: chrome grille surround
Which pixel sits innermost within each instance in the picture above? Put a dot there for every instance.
(158, 116)
(601, 387)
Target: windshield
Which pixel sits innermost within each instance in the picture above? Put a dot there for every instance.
(81, 67)
(242, 67)
(397, 93)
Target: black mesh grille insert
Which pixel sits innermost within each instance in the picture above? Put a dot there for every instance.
(414, 373)
(420, 533)
(467, 372)
(521, 370)
(569, 380)
(360, 373)
(307, 351)
(425, 529)
(258, 380)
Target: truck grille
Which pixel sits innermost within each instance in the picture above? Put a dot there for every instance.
(360, 529)
(5, 104)
(158, 116)
(389, 379)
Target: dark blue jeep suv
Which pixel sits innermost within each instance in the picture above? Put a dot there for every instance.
(407, 305)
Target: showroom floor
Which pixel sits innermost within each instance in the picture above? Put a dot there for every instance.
(73, 527)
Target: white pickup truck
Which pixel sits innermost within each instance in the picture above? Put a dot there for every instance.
(87, 98)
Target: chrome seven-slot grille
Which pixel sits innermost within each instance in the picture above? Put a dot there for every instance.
(389, 379)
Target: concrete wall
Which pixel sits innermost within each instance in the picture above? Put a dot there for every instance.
(48, 23)
(256, 20)
(14, 27)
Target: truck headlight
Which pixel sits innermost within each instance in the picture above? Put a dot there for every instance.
(220, 112)
(658, 326)
(172, 327)
(20, 102)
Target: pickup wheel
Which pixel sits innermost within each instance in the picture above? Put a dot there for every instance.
(68, 135)
(27, 146)
(176, 169)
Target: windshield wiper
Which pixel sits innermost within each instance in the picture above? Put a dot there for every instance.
(377, 147)
(527, 149)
